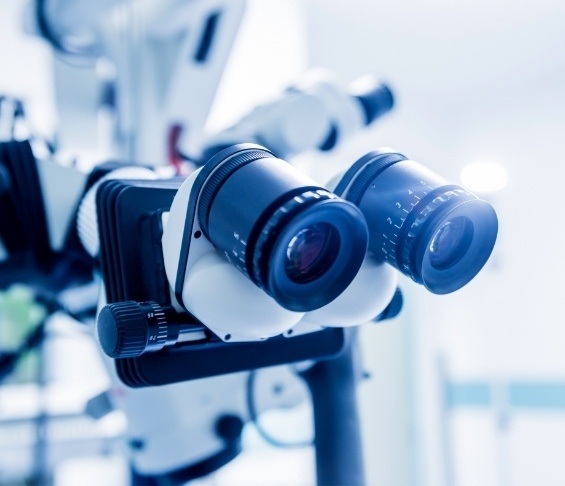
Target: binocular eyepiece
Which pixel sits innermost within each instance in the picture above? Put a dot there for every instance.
(303, 245)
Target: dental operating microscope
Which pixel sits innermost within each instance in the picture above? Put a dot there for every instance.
(228, 278)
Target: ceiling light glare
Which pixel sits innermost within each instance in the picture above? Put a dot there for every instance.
(484, 177)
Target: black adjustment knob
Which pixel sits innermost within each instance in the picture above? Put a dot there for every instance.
(128, 329)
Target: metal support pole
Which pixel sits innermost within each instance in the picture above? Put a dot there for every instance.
(339, 453)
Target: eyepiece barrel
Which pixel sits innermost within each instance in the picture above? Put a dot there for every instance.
(438, 234)
(296, 240)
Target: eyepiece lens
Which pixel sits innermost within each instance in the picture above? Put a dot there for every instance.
(311, 252)
(451, 242)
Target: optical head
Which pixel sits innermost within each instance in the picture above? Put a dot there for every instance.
(438, 234)
(296, 240)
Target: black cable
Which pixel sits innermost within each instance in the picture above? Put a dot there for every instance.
(252, 410)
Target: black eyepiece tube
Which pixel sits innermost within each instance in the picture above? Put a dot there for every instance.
(296, 240)
(438, 234)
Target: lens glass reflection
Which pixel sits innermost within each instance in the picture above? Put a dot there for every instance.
(311, 252)
(451, 242)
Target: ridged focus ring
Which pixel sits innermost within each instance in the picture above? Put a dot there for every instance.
(368, 174)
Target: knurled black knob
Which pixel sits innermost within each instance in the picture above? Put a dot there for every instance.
(128, 329)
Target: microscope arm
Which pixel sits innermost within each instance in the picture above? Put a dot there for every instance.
(317, 113)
